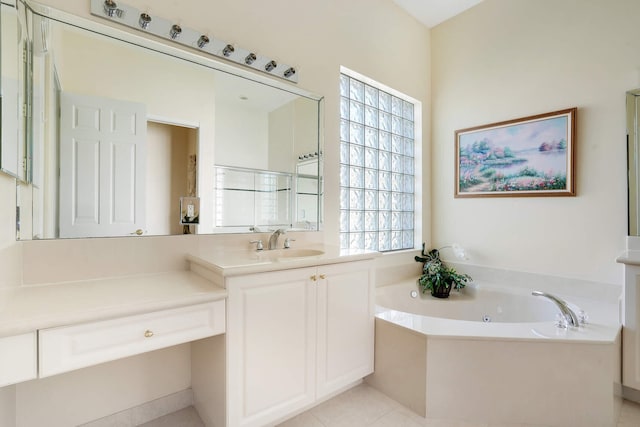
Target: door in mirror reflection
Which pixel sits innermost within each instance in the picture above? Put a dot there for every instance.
(102, 166)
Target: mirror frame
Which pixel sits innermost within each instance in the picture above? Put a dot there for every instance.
(633, 161)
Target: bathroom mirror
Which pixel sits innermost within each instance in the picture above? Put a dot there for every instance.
(633, 159)
(124, 127)
(11, 84)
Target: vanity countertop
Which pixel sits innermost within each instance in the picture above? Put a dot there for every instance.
(29, 308)
(629, 257)
(234, 263)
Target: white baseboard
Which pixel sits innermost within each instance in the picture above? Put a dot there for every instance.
(146, 412)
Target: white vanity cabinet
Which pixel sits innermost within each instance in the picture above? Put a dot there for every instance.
(18, 361)
(345, 313)
(631, 329)
(72, 347)
(295, 336)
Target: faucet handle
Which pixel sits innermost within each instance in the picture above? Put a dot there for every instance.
(259, 245)
(287, 242)
(583, 317)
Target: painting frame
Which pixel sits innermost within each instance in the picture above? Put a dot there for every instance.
(502, 159)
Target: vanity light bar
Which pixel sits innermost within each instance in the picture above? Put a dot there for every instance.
(115, 11)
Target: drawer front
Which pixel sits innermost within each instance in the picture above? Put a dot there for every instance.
(72, 347)
(17, 358)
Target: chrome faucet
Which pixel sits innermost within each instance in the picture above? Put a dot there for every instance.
(570, 315)
(273, 239)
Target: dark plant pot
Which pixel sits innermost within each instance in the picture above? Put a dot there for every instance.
(441, 292)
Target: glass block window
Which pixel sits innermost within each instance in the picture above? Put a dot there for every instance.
(377, 168)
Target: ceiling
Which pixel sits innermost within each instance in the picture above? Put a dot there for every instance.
(433, 12)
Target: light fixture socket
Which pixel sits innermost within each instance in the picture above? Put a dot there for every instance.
(203, 41)
(175, 31)
(250, 59)
(270, 66)
(110, 8)
(144, 21)
(228, 50)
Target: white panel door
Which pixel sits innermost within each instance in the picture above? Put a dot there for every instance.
(102, 166)
(271, 359)
(345, 325)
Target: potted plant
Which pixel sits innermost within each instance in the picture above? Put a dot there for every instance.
(437, 277)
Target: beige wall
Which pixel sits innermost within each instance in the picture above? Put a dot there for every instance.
(281, 143)
(373, 37)
(506, 59)
(81, 396)
(242, 137)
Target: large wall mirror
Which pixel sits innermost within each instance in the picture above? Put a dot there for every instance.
(132, 136)
(633, 158)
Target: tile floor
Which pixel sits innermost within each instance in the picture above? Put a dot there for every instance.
(365, 406)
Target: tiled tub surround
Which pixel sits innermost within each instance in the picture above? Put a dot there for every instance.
(517, 372)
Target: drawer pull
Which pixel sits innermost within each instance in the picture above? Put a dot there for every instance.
(148, 333)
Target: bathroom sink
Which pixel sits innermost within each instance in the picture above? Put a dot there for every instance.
(298, 253)
(284, 254)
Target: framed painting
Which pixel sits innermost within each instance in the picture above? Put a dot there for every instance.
(531, 156)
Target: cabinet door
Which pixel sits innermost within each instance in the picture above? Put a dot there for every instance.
(271, 337)
(345, 324)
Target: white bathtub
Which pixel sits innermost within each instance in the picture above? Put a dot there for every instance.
(473, 303)
(494, 354)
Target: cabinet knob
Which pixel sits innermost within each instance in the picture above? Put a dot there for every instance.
(322, 276)
(314, 278)
(138, 232)
(148, 333)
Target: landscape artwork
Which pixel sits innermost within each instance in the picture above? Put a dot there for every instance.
(531, 156)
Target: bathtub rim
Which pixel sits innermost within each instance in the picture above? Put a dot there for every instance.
(603, 327)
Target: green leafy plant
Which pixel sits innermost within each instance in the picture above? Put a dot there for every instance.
(437, 277)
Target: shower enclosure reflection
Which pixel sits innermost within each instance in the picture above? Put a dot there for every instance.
(123, 127)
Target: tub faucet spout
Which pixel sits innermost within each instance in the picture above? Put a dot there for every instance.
(566, 311)
(273, 239)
